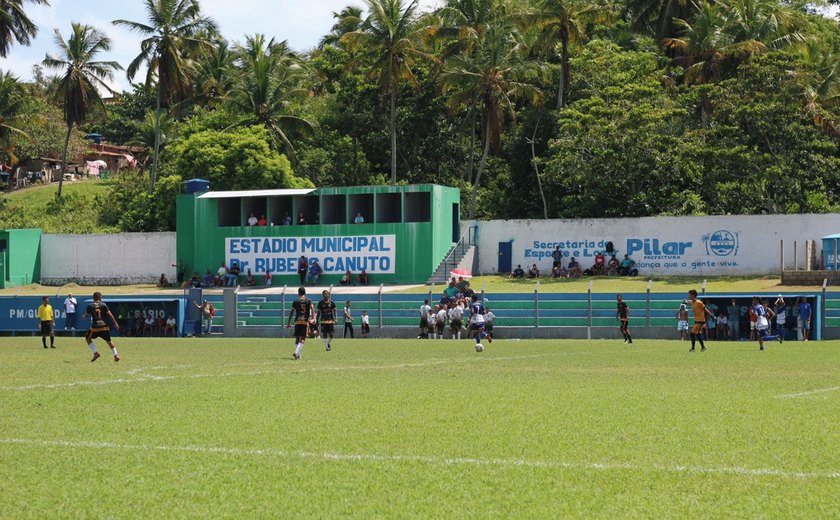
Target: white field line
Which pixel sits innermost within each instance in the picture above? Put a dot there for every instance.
(440, 461)
(808, 393)
(142, 377)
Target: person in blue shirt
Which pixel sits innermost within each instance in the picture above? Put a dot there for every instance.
(763, 315)
(314, 273)
(477, 321)
(359, 219)
(804, 320)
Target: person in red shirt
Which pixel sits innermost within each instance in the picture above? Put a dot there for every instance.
(753, 319)
(262, 221)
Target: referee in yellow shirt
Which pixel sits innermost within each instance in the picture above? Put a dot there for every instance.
(47, 321)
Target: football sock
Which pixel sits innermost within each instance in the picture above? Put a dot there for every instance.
(92, 347)
(326, 342)
(459, 334)
(693, 339)
(114, 350)
(52, 340)
(44, 341)
(298, 348)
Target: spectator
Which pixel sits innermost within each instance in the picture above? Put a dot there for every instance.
(314, 273)
(359, 219)
(250, 281)
(734, 320)
(221, 273)
(162, 281)
(70, 305)
(347, 279)
(534, 271)
(208, 280)
(252, 220)
(303, 268)
(268, 278)
(613, 266)
(287, 219)
(804, 320)
(348, 320)
(301, 220)
(149, 324)
(363, 278)
(627, 267)
(262, 221)
(450, 294)
(365, 324)
(556, 257)
(170, 326)
(464, 287)
(599, 267)
(317, 217)
(559, 272)
(518, 272)
(180, 272)
(207, 312)
(574, 268)
(232, 276)
(195, 281)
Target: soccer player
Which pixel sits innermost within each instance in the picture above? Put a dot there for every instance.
(98, 311)
(326, 316)
(623, 315)
(46, 321)
(763, 315)
(430, 322)
(456, 316)
(700, 313)
(682, 320)
(488, 321)
(301, 312)
(440, 321)
(365, 324)
(424, 319)
(477, 320)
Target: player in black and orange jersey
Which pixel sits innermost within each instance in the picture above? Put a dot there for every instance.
(301, 312)
(326, 316)
(98, 311)
(623, 314)
(700, 314)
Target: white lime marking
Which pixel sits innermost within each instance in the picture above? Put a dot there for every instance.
(808, 392)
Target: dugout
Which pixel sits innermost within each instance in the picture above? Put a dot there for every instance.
(20, 257)
(408, 231)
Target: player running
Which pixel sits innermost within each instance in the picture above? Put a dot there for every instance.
(622, 313)
(97, 311)
(326, 317)
(700, 314)
(302, 313)
(763, 315)
(477, 315)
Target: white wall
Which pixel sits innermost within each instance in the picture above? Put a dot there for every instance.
(117, 259)
(661, 245)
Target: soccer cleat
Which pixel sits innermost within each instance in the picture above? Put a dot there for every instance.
(780, 339)
(296, 355)
(761, 348)
(45, 346)
(489, 338)
(691, 349)
(95, 357)
(52, 346)
(630, 340)
(116, 358)
(704, 349)
(328, 349)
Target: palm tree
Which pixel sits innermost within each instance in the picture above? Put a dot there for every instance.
(660, 14)
(347, 20)
(148, 131)
(12, 100)
(269, 81)
(15, 25)
(78, 88)
(215, 76)
(389, 39)
(487, 77)
(174, 29)
(820, 85)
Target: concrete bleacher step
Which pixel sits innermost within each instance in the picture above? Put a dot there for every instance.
(441, 274)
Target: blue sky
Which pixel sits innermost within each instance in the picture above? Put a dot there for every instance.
(301, 22)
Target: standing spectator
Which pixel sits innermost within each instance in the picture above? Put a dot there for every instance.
(348, 320)
(301, 220)
(682, 320)
(781, 318)
(804, 321)
(363, 278)
(359, 219)
(734, 312)
(287, 219)
(365, 324)
(207, 311)
(303, 268)
(70, 305)
(556, 257)
(262, 221)
(268, 278)
(711, 325)
(180, 272)
(314, 273)
(252, 220)
(46, 322)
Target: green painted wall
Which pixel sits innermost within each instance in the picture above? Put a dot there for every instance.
(21, 259)
(419, 248)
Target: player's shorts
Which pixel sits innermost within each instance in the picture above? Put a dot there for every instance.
(682, 325)
(93, 334)
(365, 328)
(328, 328)
(440, 326)
(430, 327)
(455, 325)
(46, 327)
(476, 326)
(697, 328)
(804, 324)
(488, 326)
(301, 330)
(423, 323)
(762, 332)
(624, 323)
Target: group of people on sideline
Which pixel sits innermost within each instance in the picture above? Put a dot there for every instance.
(735, 321)
(573, 269)
(231, 276)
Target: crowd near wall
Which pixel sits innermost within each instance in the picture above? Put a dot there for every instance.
(703, 246)
(118, 259)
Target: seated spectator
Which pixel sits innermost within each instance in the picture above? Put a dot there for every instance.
(359, 219)
(221, 273)
(558, 271)
(613, 266)
(600, 265)
(628, 267)
(148, 324)
(160, 326)
(287, 219)
(313, 274)
(574, 268)
(268, 279)
(450, 294)
(363, 278)
(464, 287)
(534, 271)
(208, 280)
(518, 272)
(162, 281)
(301, 220)
(195, 281)
(250, 281)
(347, 279)
(170, 326)
(262, 221)
(252, 220)
(232, 276)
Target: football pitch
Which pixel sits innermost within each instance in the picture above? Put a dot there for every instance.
(414, 428)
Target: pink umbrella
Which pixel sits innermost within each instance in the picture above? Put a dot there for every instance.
(461, 273)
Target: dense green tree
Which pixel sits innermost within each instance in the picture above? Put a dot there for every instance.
(45, 130)
(15, 24)
(12, 102)
(78, 87)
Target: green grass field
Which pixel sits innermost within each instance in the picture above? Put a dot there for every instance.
(428, 429)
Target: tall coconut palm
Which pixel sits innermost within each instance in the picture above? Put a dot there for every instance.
(78, 87)
(269, 81)
(389, 38)
(15, 24)
(174, 29)
(215, 74)
(12, 100)
(347, 20)
(489, 77)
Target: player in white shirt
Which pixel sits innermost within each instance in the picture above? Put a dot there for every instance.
(440, 321)
(477, 320)
(424, 319)
(365, 324)
(456, 316)
(781, 318)
(431, 318)
(488, 322)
